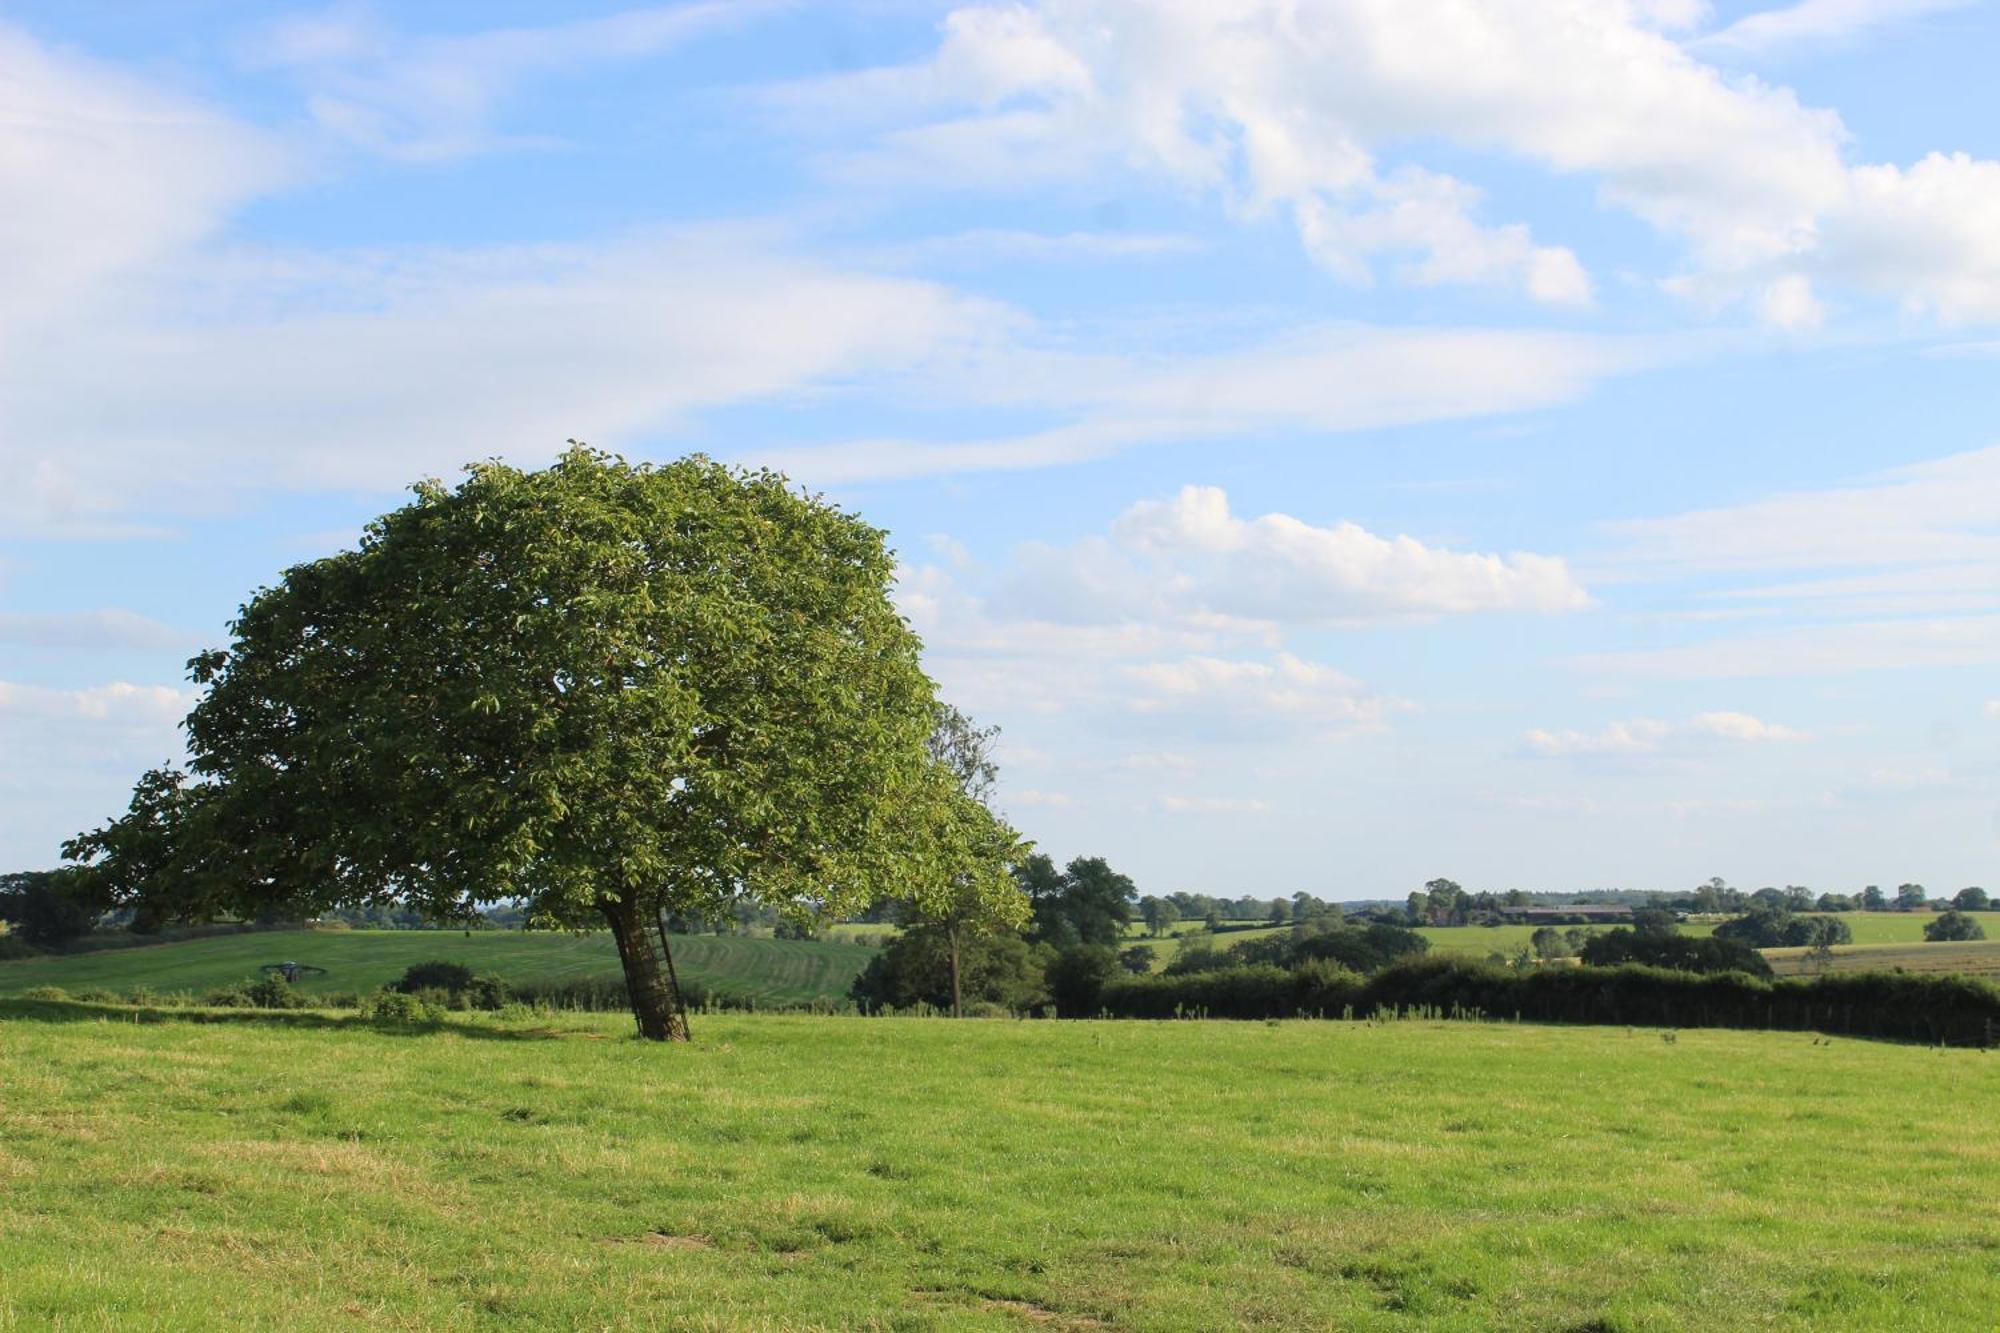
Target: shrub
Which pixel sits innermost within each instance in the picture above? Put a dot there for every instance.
(487, 992)
(1682, 953)
(435, 975)
(1076, 977)
(1766, 928)
(1954, 925)
(55, 993)
(1944, 1009)
(392, 1008)
(12, 946)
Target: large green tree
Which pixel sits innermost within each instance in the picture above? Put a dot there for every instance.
(610, 691)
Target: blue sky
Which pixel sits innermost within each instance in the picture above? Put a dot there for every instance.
(1547, 444)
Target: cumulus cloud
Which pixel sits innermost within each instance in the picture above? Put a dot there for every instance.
(1283, 690)
(1276, 567)
(1292, 107)
(1647, 736)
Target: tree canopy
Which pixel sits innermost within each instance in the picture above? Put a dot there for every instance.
(609, 691)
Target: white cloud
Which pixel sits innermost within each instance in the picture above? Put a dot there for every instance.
(1936, 513)
(375, 370)
(1039, 800)
(1818, 21)
(1290, 105)
(1993, 709)
(1278, 568)
(106, 629)
(119, 704)
(433, 97)
(1877, 645)
(1316, 380)
(995, 245)
(1648, 736)
(102, 174)
(1212, 692)
(1212, 805)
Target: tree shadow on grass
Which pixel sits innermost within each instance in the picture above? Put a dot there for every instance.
(15, 1009)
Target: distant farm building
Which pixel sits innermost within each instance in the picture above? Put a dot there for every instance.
(1571, 912)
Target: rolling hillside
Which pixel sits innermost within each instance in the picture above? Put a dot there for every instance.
(774, 971)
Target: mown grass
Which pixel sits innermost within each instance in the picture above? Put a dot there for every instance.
(794, 1172)
(1973, 958)
(766, 970)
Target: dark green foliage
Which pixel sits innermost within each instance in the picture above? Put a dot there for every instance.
(452, 977)
(1954, 1010)
(995, 967)
(1973, 899)
(269, 991)
(1954, 925)
(47, 908)
(1087, 902)
(1359, 948)
(1682, 953)
(12, 946)
(1779, 929)
(1256, 990)
(1077, 976)
(1137, 960)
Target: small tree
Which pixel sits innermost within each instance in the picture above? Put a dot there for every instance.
(1954, 925)
(1972, 899)
(1910, 898)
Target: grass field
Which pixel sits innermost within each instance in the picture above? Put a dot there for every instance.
(767, 970)
(1905, 927)
(1973, 958)
(793, 1172)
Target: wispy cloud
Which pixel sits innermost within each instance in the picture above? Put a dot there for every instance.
(1812, 22)
(428, 97)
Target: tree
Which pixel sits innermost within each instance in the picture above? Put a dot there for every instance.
(1798, 898)
(1088, 903)
(1872, 899)
(1671, 949)
(47, 908)
(1910, 898)
(164, 858)
(1159, 914)
(1972, 899)
(610, 691)
(1138, 960)
(1548, 942)
(1075, 976)
(1954, 925)
(1280, 913)
(965, 752)
(1447, 902)
(915, 967)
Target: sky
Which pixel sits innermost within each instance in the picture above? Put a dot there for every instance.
(1552, 444)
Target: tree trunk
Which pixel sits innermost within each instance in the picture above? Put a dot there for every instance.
(957, 1005)
(656, 1000)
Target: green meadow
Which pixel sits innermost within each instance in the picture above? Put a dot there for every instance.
(765, 970)
(792, 1172)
